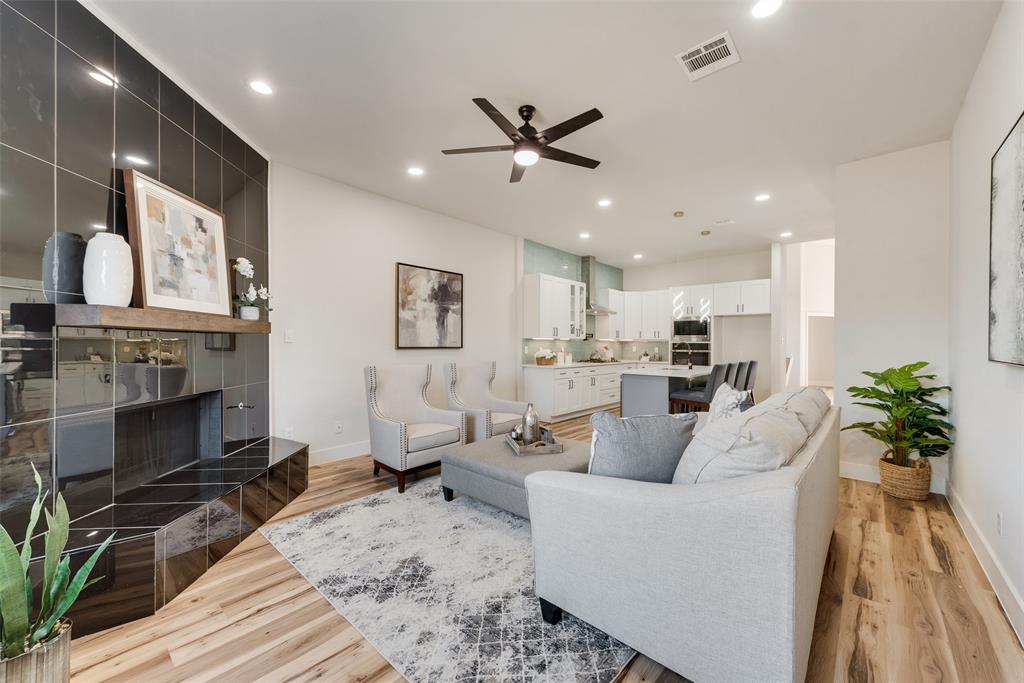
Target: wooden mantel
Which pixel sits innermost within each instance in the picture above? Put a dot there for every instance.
(85, 315)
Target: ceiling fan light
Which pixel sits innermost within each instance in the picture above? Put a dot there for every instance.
(526, 157)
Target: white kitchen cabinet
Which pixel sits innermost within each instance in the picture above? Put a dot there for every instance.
(611, 326)
(750, 297)
(633, 303)
(553, 307)
(663, 316)
(559, 392)
(756, 297)
(692, 301)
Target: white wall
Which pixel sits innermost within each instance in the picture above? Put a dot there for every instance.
(753, 265)
(892, 279)
(746, 337)
(987, 464)
(333, 270)
(820, 351)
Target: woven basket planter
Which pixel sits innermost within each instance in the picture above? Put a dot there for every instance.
(908, 483)
(545, 361)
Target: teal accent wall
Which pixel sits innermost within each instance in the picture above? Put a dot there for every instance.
(540, 258)
(608, 277)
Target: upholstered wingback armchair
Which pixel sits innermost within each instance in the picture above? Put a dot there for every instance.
(407, 434)
(469, 390)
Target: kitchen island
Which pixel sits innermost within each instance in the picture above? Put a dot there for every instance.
(645, 391)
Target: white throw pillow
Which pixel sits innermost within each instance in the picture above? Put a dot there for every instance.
(762, 439)
(727, 402)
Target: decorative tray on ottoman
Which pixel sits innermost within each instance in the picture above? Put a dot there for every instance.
(547, 444)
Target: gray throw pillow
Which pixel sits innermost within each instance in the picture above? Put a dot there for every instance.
(642, 448)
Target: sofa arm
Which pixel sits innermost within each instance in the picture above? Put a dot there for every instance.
(688, 575)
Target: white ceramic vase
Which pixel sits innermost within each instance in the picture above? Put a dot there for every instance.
(248, 313)
(107, 274)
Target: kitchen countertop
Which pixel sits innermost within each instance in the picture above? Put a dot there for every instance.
(677, 371)
(585, 364)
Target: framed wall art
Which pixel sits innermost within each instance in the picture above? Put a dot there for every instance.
(428, 308)
(1006, 250)
(179, 248)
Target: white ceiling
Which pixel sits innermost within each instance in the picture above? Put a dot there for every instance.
(365, 89)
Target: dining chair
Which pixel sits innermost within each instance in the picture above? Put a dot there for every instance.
(730, 374)
(699, 398)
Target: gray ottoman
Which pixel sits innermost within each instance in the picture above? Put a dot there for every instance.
(491, 472)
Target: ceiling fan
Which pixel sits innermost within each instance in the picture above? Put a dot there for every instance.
(529, 145)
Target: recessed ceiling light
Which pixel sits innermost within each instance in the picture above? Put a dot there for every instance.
(526, 156)
(414, 170)
(92, 533)
(705, 233)
(638, 256)
(763, 197)
(786, 234)
(261, 87)
(766, 8)
(104, 77)
(678, 214)
(136, 160)
(97, 226)
(584, 235)
(604, 203)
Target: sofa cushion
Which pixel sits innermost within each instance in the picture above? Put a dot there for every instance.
(808, 403)
(430, 435)
(502, 423)
(642, 448)
(760, 440)
(726, 403)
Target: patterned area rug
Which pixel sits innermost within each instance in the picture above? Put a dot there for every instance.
(444, 591)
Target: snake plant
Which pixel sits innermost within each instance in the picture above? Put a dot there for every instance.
(22, 624)
(913, 421)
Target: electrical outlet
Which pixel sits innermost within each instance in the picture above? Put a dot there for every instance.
(526, 348)
(999, 524)
(634, 348)
(339, 428)
(289, 336)
(289, 432)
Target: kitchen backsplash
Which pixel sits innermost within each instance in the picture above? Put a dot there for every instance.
(581, 349)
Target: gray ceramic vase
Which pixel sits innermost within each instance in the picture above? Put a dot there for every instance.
(63, 257)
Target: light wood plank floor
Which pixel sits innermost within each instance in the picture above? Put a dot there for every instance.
(903, 599)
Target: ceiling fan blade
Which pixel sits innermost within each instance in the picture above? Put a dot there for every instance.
(499, 119)
(568, 157)
(517, 173)
(570, 125)
(474, 150)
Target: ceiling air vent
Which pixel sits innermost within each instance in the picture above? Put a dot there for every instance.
(710, 56)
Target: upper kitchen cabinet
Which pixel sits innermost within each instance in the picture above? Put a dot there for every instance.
(750, 297)
(656, 315)
(692, 301)
(553, 307)
(611, 326)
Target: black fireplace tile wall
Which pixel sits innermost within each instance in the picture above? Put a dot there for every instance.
(234, 419)
(22, 447)
(208, 359)
(184, 555)
(234, 364)
(257, 412)
(175, 362)
(225, 524)
(254, 502)
(84, 462)
(60, 107)
(85, 370)
(27, 71)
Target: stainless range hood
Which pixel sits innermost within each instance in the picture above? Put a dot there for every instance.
(588, 271)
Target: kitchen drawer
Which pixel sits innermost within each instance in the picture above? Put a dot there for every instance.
(576, 372)
(68, 371)
(609, 396)
(609, 381)
(559, 374)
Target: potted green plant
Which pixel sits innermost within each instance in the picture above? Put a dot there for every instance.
(35, 646)
(914, 427)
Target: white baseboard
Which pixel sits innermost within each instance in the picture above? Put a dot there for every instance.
(342, 452)
(1008, 597)
(863, 471)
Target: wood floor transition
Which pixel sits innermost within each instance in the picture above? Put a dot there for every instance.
(903, 599)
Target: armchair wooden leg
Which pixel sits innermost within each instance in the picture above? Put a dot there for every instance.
(401, 481)
(551, 613)
(376, 468)
(449, 494)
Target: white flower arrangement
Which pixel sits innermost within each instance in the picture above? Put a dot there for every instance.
(251, 296)
(546, 354)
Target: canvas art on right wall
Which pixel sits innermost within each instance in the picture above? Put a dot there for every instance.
(1006, 251)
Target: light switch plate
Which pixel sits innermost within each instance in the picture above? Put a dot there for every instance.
(289, 336)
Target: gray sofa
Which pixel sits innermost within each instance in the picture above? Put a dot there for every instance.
(717, 581)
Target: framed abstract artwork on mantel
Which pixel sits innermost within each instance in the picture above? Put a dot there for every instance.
(1006, 250)
(179, 247)
(428, 308)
